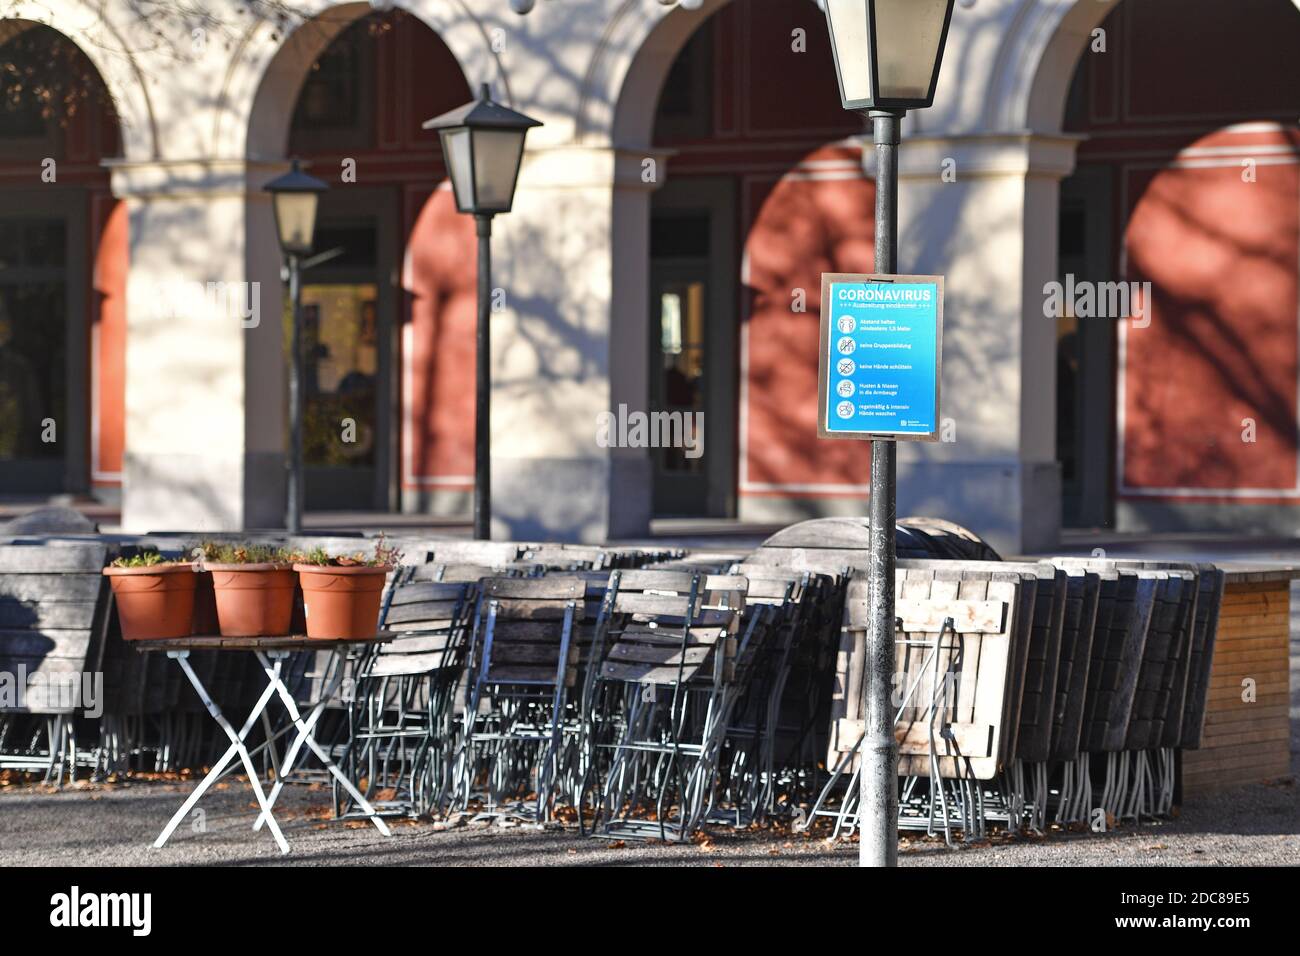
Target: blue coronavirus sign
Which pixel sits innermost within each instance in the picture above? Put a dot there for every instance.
(880, 357)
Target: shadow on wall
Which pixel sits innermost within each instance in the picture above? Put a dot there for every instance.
(1221, 255)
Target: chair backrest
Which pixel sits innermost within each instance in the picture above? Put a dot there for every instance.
(960, 678)
(525, 629)
(771, 584)
(1077, 625)
(566, 557)
(837, 563)
(710, 562)
(665, 626)
(490, 553)
(429, 621)
(1124, 607)
(55, 605)
(1200, 658)
(1163, 701)
(468, 573)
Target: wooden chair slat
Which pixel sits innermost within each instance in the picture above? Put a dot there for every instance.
(627, 651)
(53, 558)
(647, 673)
(552, 588)
(39, 615)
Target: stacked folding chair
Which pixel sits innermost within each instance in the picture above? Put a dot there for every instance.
(1125, 604)
(961, 636)
(54, 612)
(1160, 676)
(768, 719)
(673, 649)
(521, 722)
(1024, 783)
(1209, 601)
(402, 716)
(710, 562)
(1079, 622)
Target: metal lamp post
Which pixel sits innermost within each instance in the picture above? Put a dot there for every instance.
(295, 197)
(483, 144)
(887, 58)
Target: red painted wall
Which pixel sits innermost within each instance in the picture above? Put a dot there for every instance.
(108, 310)
(1182, 99)
(805, 208)
(438, 389)
(1222, 256)
(800, 228)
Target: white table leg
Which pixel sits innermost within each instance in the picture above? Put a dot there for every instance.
(236, 747)
(305, 736)
(291, 755)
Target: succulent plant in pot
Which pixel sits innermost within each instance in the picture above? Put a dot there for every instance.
(342, 593)
(154, 595)
(254, 586)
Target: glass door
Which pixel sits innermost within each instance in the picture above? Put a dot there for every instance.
(679, 392)
(693, 348)
(43, 386)
(340, 372)
(348, 351)
(1085, 360)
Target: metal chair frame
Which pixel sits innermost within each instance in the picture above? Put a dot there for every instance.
(668, 739)
(514, 725)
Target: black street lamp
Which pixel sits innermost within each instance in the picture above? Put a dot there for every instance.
(295, 197)
(483, 144)
(887, 58)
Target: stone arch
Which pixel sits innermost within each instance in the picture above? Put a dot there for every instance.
(1031, 78)
(1029, 86)
(631, 62)
(261, 86)
(1022, 82)
(253, 128)
(107, 49)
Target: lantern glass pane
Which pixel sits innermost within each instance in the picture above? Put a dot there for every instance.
(850, 35)
(496, 166)
(295, 218)
(908, 33)
(460, 166)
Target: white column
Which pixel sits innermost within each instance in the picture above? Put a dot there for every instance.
(990, 227)
(204, 366)
(569, 345)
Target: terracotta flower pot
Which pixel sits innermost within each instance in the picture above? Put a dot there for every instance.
(253, 600)
(341, 602)
(153, 603)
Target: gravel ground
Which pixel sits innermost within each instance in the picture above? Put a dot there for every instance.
(115, 825)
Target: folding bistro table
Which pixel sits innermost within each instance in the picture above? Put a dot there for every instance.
(271, 653)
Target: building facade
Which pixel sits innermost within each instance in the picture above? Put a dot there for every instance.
(1110, 187)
